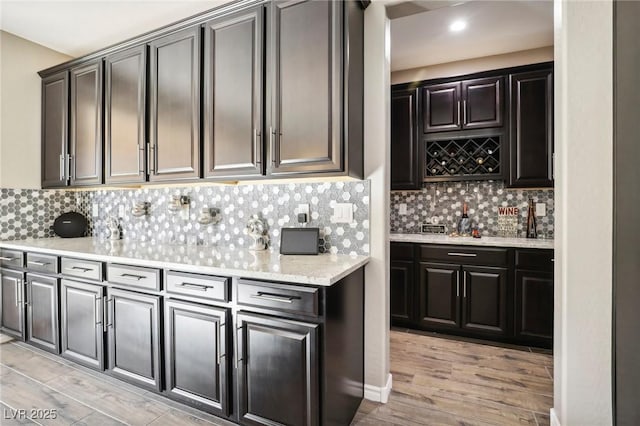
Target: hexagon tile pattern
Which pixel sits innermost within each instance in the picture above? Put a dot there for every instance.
(443, 201)
(276, 203)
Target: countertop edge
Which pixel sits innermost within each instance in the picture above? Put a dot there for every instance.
(479, 242)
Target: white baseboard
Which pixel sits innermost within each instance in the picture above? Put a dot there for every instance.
(377, 393)
(554, 417)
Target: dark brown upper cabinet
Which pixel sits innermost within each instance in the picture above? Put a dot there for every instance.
(305, 94)
(85, 135)
(531, 136)
(174, 116)
(233, 95)
(55, 113)
(405, 169)
(125, 116)
(462, 105)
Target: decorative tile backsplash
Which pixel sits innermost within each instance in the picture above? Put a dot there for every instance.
(275, 203)
(443, 202)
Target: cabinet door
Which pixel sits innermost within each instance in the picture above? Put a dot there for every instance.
(531, 141)
(125, 115)
(484, 300)
(482, 103)
(404, 145)
(439, 291)
(85, 138)
(534, 307)
(441, 107)
(82, 323)
(305, 76)
(278, 371)
(174, 122)
(12, 303)
(55, 112)
(43, 312)
(233, 95)
(401, 291)
(196, 355)
(134, 333)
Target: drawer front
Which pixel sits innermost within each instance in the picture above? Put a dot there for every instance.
(195, 285)
(281, 297)
(402, 251)
(46, 263)
(134, 276)
(87, 269)
(9, 258)
(467, 255)
(535, 259)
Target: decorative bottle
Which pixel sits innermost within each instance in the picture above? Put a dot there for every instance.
(532, 231)
(464, 223)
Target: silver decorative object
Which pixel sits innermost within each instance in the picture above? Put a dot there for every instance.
(257, 229)
(114, 228)
(208, 216)
(140, 208)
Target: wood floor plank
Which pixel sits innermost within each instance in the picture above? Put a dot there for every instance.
(98, 419)
(32, 364)
(10, 417)
(500, 379)
(543, 420)
(176, 417)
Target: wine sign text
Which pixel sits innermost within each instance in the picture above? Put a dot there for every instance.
(508, 211)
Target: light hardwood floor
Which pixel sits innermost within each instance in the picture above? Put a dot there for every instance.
(435, 382)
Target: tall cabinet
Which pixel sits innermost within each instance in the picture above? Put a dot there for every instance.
(55, 129)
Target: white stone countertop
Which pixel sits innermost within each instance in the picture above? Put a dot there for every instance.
(321, 270)
(484, 241)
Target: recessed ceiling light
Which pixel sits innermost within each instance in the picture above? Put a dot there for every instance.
(457, 26)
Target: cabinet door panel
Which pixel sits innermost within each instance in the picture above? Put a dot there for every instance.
(196, 355)
(42, 312)
(531, 141)
(404, 145)
(277, 376)
(441, 107)
(401, 290)
(438, 295)
(134, 330)
(55, 112)
(12, 303)
(306, 91)
(484, 299)
(85, 139)
(483, 103)
(175, 106)
(233, 95)
(534, 306)
(82, 328)
(125, 126)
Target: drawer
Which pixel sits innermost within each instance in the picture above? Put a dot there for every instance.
(281, 297)
(87, 269)
(46, 263)
(468, 255)
(196, 285)
(134, 276)
(9, 258)
(402, 251)
(534, 259)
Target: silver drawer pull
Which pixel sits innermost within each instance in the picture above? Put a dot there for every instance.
(462, 254)
(274, 297)
(194, 286)
(79, 268)
(37, 263)
(133, 277)
(8, 259)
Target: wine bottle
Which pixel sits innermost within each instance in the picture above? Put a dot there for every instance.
(532, 232)
(464, 224)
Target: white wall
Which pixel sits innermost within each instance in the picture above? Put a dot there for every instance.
(470, 66)
(377, 169)
(584, 194)
(20, 109)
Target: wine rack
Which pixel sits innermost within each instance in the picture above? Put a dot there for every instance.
(465, 158)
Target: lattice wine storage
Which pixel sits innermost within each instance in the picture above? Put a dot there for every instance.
(477, 158)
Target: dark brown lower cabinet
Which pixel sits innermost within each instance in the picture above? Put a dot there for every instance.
(534, 307)
(12, 303)
(484, 300)
(134, 337)
(197, 355)
(43, 328)
(439, 294)
(401, 290)
(277, 371)
(82, 323)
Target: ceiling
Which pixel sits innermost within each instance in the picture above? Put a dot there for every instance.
(421, 38)
(80, 27)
